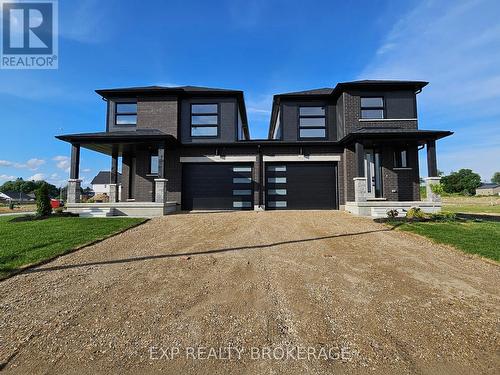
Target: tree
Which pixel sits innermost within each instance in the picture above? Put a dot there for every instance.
(463, 181)
(43, 207)
(28, 186)
(496, 178)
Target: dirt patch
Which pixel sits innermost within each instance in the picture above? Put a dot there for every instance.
(393, 302)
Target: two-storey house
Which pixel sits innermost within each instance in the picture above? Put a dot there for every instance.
(353, 147)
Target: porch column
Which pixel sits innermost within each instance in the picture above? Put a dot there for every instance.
(360, 188)
(431, 159)
(74, 183)
(161, 181)
(113, 183)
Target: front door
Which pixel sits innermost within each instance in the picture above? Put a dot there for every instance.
(373, 174)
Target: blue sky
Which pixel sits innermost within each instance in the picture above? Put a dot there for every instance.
(262, 48)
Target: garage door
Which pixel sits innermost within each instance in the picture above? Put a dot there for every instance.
(217, 186)
(299, 186)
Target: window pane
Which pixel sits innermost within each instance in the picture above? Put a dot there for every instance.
(242, 192)
(276, 192)
(277, 204)
(312, 133)
(277, 180)
(312, 121)
(242, 169)
(312, 111)
(204, 120)
(372, 102)
(204, 108)
(153, 166)
(242, 180)
(126, 119)
(277, 168)
(372, 113)
(203, 131)
(404, 159)
(242, 204)
(126, 108)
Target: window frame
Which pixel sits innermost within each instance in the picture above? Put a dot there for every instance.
(116, 113)
(299, 116)
(398, 156)
(383, 107)
(217, 126)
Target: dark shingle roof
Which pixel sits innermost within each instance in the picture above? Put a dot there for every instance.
(104, 177)
(17, 195)
(353, 84)
(166, 89)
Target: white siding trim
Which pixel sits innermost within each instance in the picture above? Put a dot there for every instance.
(217, 159)
(269, 158)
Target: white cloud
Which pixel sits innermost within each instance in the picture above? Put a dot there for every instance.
(63, 162)
(32, 164)
(4, 177)
(37, 177)
(86, 170)
(456, 47)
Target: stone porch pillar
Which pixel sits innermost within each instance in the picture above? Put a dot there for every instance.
(429, 181)
(360, 189)
(161, 181)
(74, 190)
(160, 190)
(74, 182)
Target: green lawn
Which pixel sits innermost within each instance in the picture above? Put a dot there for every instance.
(482, 238)
(31, 242)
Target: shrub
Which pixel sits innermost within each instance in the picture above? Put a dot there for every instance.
(444, 216)
(59, 210)
(415, 213)
(392, 214)
(11, 205)
(43, 207)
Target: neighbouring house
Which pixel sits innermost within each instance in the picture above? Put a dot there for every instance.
(352, 147)
(488, 189)
(101, 183)
(16, 196)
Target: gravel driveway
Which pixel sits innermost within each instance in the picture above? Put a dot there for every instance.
(353, 295)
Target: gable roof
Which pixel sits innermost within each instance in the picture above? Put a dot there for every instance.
(104, 178)
(16, 195)
(488, 185)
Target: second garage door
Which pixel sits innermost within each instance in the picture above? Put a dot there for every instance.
(217, 186)
(299, 186)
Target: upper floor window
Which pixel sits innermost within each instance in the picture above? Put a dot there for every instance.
(126, 113)
(372, 107)
(204, 120)
(401, 158)
(312, 122)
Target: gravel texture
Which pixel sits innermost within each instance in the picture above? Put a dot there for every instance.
(391, 302)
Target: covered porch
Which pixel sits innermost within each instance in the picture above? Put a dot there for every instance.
(387, 171)
(144, 193)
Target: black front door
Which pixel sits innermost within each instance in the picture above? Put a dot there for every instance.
(217, 186)
(301, 185)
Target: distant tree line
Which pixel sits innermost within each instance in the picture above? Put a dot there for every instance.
(28, 187)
